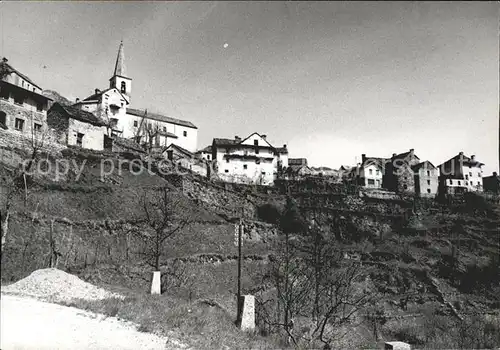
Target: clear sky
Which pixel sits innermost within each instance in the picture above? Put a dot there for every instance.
(332, 80)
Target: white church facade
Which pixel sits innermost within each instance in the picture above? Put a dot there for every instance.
(113, 106)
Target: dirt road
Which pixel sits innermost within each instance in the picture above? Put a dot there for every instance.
(31, 324)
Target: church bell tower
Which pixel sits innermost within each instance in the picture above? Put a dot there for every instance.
(119, 79)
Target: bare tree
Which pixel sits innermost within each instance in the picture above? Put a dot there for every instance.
(163, 216)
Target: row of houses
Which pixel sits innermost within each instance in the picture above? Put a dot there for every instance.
(106, 119)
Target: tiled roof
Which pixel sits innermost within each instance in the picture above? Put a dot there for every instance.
(159, 117)
(426, 163)
(180, 149)
(404, 155)
(207, 149)
(11, 69)
(96, 95)
(375, 161)
(225, 142)
(78, 114)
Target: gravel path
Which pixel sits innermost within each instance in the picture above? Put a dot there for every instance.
(32, 324)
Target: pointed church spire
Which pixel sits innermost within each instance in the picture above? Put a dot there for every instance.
(120, 62)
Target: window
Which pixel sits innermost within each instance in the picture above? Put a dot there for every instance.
(149, 126)
(467, 183)
(371, 182)
(37, 127)
(255, 142)
(263, 173)
(170, 154)
(245, 166)
(227, 160)
(164, 129)
(39, 106)
(3, 118)
(479, 183)
(226, 171)
(4, 94)
(428, 190)
(208, 156)
(451, 182)
(466, 177)
(257, 161)
(428, 173)
(405, 187)
(370, 171)
(470, 173)
(79, 139)
(19, 124)
(256, 151)
(185, 133)
(428, 182)
(135, 123)
(479, 174)
(123, 88)
(19, 99)
(377, 172)
(459, 183)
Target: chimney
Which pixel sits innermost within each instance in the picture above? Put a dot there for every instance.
(77, 100)
(284, 146)
(4, 60)
(412, 150)
(264, 136)
(363, 158)
(495, 173)
(97, 91)
(473, 157)
(237, 138)
(394, 155)
(461, 154)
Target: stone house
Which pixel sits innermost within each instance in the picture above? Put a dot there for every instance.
(461, 174)
(76, 127)
(399, 176)
(23, 108)
(186, 159)
(492, 183)
(426, 179)
(113, 105)
(251, 160)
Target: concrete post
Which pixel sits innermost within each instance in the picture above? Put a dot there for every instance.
(156, 283)
(397, 345)
(247, 317)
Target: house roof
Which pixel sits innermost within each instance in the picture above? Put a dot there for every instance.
(159, 117)
(426, 163)
(207, 149)
(96, 96)
(180, 149)
(225, 142)
(466, 160)
(377, 161)
(78, 114)
(11, 69)
(404, 155)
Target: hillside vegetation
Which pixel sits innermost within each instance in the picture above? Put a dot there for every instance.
(430, 267)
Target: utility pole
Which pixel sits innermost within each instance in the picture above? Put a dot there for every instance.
(240, 233)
